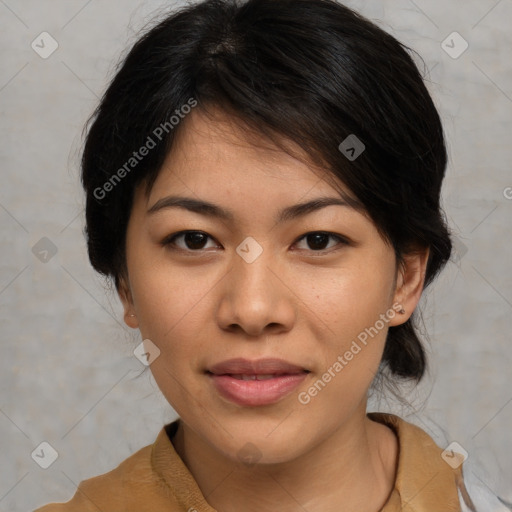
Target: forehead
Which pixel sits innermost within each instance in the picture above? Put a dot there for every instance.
(215, 153)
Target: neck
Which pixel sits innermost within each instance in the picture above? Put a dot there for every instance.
(354, 467)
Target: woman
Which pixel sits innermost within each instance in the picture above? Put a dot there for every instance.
(263, 184)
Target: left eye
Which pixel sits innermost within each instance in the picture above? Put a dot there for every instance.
(317, 240)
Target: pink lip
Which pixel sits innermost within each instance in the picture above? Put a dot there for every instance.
(256, 392)
(241, 366)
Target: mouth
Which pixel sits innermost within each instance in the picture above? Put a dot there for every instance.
(255, 376)
(256, 383)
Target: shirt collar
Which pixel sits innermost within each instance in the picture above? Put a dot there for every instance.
(424, 481)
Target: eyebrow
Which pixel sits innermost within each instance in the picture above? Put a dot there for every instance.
(212, 210)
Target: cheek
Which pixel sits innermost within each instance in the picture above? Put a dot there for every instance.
(174, 309)
(350, 352)
(351, 298)
(354, 307)
(168, 299)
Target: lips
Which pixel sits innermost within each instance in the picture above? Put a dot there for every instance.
(259, 367)
(256, 383)
(254, 377)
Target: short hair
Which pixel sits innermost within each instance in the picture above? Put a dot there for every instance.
(312, 72)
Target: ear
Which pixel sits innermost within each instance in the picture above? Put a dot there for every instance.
(410, 280)
(125, 294)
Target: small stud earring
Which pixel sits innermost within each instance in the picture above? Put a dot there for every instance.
(131, 314)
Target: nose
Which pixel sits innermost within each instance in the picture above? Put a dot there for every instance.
(256, 298)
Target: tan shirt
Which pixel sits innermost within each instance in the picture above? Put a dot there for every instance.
(155, 479)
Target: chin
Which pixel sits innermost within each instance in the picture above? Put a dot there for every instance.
(261, 442)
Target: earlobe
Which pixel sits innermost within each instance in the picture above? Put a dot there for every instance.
(130, 319)
(125, 295)
(409, 285)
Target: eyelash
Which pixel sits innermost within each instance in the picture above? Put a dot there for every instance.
(169, 241)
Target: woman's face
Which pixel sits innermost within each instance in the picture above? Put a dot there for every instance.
(252, 285)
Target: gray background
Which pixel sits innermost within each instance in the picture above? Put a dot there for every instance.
(68, 375)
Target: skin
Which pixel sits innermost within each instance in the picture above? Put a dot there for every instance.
(203, 304)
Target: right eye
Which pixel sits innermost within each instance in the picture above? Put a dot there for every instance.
(191, 241)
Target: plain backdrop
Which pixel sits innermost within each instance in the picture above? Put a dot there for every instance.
(68, 375)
